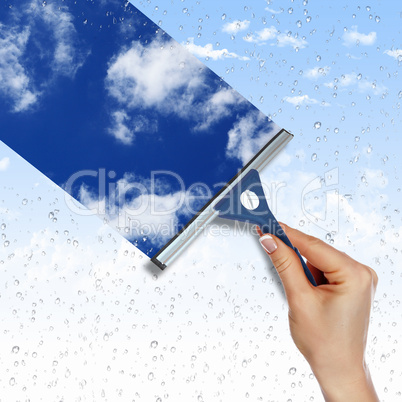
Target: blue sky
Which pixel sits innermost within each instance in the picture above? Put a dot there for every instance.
(110, 90)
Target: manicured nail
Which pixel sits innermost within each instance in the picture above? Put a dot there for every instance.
(268, 243)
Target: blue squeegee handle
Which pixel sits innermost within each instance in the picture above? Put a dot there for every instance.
(269, 224)
(232, 207)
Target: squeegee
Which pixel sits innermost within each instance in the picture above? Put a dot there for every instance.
(242, 199)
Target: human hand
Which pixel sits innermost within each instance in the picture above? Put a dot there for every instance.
(328, 323)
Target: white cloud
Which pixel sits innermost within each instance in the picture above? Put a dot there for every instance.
(217, 106)
(67, 58)
(316, 72)
(272, 11)
(353, 57)
(363, 85)
(262, 36)
(235, 26)
(150, 76)
(299, 100)
(4, 163)
(248, 135)
(353, 37)
(138, 209)
(124, 127)
(372, 86)
(375, 179)
(395, 53)
(166, 77)
(288, 40)
(119, 128)
(14, 80)
(345, 81)
(208, 51)
(282, 39)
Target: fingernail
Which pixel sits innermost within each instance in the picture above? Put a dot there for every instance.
(268, 243)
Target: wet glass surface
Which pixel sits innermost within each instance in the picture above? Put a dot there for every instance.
(84, 314)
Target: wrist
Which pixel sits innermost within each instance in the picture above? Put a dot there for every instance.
(352, 385)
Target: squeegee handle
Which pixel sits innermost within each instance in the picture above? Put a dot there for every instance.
(269, 224)
(246, 202)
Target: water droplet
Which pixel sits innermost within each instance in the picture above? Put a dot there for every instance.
(317, 125)
(6, 243)
(318, 58)
(24, 201)
(185, 10)
(154, 344)
(85, 22)
(336, 130)
(106, 337)
(44, 3)
(151, 376)
(302, 223)
(292, 370)
(290, 10)
(196, 295)
(15, 349)
(223, 17)
(299, 24)
(51, 215)
(75, 243)
(314, 157)
(12, 381)
(244, 363)
(383, 358)
(3, 226)
(377, 18)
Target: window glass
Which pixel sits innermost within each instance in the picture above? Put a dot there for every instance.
(85, 315)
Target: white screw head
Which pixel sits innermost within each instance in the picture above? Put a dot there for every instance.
(249, 200)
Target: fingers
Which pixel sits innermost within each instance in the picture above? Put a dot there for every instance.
(326, 264)
(318, 275)
(318, 253)
(287, 264)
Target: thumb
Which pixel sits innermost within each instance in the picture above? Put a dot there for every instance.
(287, 264)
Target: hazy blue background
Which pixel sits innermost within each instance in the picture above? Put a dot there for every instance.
(84, 310)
